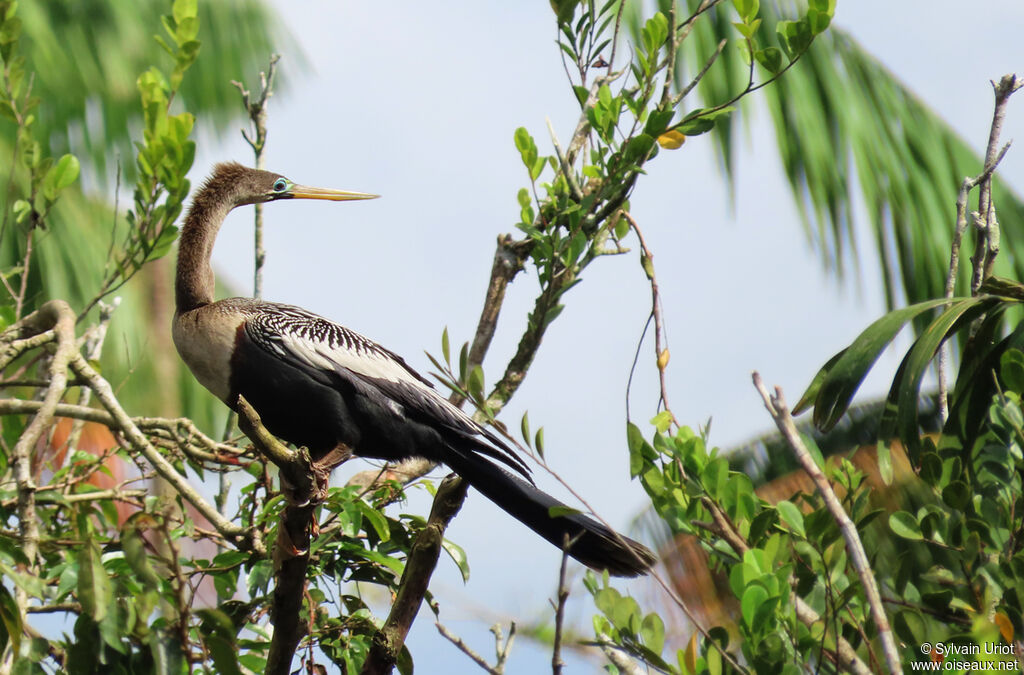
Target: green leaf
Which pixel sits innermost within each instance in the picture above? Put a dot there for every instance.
(658, 121)
(135, 554)
(564, 9)
(747, 30)
(93, 584)
(10, 621)
(377, 520)
(1011, 370)
(834, 385)
(476, 383)
(662, 421)
(184, 9)
(562, 510)
(818, 22)
(636, 442)
(224, 654)
(905, 525)
(957, 495)
(446, 347)
(770, 59)
(62, 174)
(795, 36)
(652, 631)
(21, 209)
(884, 462)
(910, 626)
(701, 121)
(901, 413)
(792, 516)
(458, 555)
(747, 9)
(654, 33)
(753, 597)
(524, 427)
(527, 149)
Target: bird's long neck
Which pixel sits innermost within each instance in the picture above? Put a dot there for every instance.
(194, 283)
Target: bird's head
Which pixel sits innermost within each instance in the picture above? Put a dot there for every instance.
(255, 186)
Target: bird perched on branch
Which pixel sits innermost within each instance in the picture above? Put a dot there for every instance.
(320, 385)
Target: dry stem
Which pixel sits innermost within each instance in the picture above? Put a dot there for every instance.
(777, 408)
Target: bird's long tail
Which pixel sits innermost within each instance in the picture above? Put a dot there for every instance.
(592, 543)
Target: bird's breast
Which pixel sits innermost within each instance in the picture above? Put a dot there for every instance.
(205, 339)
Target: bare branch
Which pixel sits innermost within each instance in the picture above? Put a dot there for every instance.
(661, 351)
(984, 253)
(563, 594)
(257, 110)
(240, 537)
(777, 408)
(467, 650)
(55, 315)
(988, 234)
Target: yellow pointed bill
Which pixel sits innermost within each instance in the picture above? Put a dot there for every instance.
(307, 192)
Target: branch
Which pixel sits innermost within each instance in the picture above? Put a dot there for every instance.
(203, 449)
(777, 408)
(467, 650)
(240, 537)
(661, 350)
(55, 315)
(617, 658)
(257, 110)
(304, 485)
(987, 234)
(388, 641)
(563, 594)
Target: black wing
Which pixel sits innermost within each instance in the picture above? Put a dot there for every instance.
(314, 343)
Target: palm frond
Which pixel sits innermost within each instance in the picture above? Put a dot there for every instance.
(844, 122)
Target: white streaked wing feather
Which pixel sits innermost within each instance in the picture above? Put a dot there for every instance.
(329, 347)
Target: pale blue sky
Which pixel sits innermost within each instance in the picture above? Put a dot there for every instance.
(418, 102)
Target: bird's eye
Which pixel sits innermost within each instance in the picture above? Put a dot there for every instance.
(280, 185)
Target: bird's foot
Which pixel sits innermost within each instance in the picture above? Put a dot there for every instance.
(322, 468)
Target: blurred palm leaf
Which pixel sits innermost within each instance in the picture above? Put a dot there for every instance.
(841, 118)
(87, 55)
(85, 58)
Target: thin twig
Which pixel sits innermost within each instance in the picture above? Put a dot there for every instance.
(563, 594)
(466, 649)
(502, 647)
(257, 109)
(95, 338)
(777, 408)
(190, 440)
(563, 163)
(703, 71)
(509, 257)
(661, 351)
(988, 236)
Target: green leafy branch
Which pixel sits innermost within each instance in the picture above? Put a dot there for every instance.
(35, 180)
(164, 157)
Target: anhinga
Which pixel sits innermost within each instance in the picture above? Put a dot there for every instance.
(320, 385)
